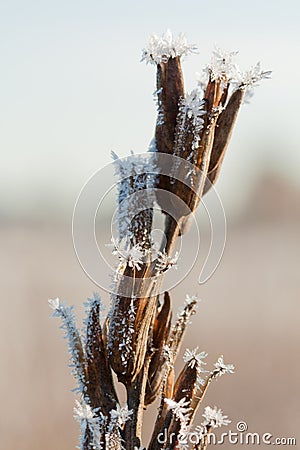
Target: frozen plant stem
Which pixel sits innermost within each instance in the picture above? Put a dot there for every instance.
(138, 340)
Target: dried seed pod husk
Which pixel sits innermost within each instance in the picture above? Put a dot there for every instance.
(190, 192)
(168, 424)
(161, 329)
(197, 399)
(130, 322)
(179, 328)
(167, 392)
(186, 383)
(185, 387)
(100, 387)
(170, 89)
(223, 132)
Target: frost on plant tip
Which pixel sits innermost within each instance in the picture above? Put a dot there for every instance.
(251, 77)
(54, 303)
(163, 47)
(222, 66)
(194, 358)
(222, 368)
(214, 417)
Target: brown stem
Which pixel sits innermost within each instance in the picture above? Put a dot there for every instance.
(135, 400)
(197, 399)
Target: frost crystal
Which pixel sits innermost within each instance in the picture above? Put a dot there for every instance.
(251, 77)
(189, 299)
(54, 303)
(159, 106)
(190, 302)
(193, 358)
(165, 262)
(133, 255)
(66, 313)
(113, 440)
(123, 327)
(83, 411)
(191, 108)
(222, 368)
(221, 67)
(120, 415)
(168, 356)
(92, 305)
(200, 381)
(181, 409)
(137, 175)
(161, 48)
(188, 127)
(88, 422)
(152, 146)
(214, 417)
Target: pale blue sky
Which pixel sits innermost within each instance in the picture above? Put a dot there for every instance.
(72, 89)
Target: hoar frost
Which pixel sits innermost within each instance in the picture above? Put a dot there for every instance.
(194, 358)
(214, 417)
(161, 48)
(222, 368)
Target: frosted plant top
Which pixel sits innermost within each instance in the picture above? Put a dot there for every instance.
(163, 47)
(221, 68)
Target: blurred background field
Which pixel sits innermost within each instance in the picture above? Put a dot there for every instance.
(72, 90)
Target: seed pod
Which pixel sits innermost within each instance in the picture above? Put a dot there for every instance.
(100, 386)
(224, 128)
(179, 328)
(169, 425)
(161, 329)
(170, 90)
(186, 383)
(130, 321)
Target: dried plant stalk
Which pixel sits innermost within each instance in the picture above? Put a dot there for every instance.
(137, 340)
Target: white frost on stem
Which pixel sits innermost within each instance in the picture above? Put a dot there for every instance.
(189, 301)
(66, 313)
(120, 415)
(181, 409)
(191, 108)
(161, 48)
(132, 255)
(135, 195)
(90, 425)
(165, 262)
(222, 368)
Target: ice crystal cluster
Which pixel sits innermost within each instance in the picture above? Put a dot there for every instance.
(163, 47)
(135, 196)
(139, 339)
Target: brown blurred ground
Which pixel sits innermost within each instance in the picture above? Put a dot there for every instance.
(249, 312)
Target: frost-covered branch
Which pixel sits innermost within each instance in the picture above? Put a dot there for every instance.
(138, 340)
(78, 358)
